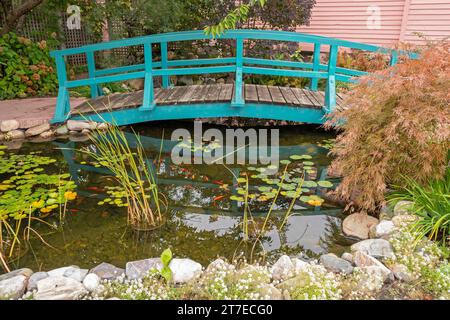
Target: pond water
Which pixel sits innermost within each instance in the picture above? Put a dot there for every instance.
(204, 216)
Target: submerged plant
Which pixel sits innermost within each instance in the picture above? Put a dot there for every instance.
(131, 170)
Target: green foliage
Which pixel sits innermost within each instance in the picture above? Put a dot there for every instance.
(431, 205)
(166, 257)
(26, 68)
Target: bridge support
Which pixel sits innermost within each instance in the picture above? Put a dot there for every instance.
(330, 91)
(148, 102)
(238, 100)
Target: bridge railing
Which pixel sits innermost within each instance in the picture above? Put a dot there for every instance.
(240, 64)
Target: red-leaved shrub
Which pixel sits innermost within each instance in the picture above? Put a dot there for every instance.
(397, 124)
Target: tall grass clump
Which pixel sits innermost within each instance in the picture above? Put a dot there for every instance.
(397, 124)
(131, 170)
(431, 203)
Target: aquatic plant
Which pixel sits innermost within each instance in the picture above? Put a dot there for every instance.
(28, 194)
(131, 170)
(398, 125)
(166, 257)
(431, 203)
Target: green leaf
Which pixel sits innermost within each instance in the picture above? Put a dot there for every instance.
(166, 256)
(166, 273)
(325, 184)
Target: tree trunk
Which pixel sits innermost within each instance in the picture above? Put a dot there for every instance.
(13, 17)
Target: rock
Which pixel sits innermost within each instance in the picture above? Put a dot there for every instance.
(19, 272)
(37, 130)
(383, 229)
(76, 274)
(403, 220)
(62, 130)
(77, 125)
(102, 126)
(220, 81)
(219, 264)
(378, 248)
(13, 288)
(2, 136)
(15, 135)
(34, 279)
(91, 282)
(358, 225)
(335, 264)
(386, 212)
(59, 272)
(47, 134)
(384, 273)
(9, 125)
(85, 131)
(283, 268)
(299, 265)
(139, 269)
(347, 256)
(186, 80)
(403, 207)
(184, 270)
(78, 137)
(402, 273)
(107, 271)
(270, 292)
(300, 280)
(59, 288)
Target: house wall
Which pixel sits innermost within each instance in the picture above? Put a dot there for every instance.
(382, 22)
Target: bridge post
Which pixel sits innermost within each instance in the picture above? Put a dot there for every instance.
(95, 89)
(148, 102)
(164, 65)
(63, 100)
(330, 91)
(394, 58)
(238, 100)
(316, 66)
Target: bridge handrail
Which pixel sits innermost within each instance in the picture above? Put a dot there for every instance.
(239, 64)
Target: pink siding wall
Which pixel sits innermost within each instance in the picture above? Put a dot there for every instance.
(351, 20)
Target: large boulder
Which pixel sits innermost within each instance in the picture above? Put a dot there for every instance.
(59, 288)
(378, 248)
(9, 125)
(358, 225)
(139, 269)
(22, 272)
(34, 279)
(283, 268)
(13, 288)
(60, 272)
(184, 270)
(335, 264)
(107, 271)
(37, 130)
(76, 274)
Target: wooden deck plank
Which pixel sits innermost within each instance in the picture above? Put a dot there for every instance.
(200, 94)
(175, 96)
(301, 96)
(251, 95)
(226, 93)
(263, 94)
(186, 97)
(289, 96)
(277, 96)
(312, 98)
(165, 93)
(213, 93)
(320, 97)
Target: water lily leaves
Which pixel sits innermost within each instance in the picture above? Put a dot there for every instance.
(241, 180)
(285, 162)
(301, 157)
(309, 184)
(308, 163)
(236, 198)
(325, 184)
(264, 189)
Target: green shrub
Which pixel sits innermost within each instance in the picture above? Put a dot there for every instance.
(26, 68)
(431, 204)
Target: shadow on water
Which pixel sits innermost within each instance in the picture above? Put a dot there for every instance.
(203, 222)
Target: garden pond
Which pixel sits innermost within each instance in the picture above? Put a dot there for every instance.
(205, 203)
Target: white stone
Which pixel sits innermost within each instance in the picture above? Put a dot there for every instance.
(283, 268)
(37, 130)
(383, 229)
(378, 248)
(47, 134)
(347, 256)
(9, 125)
(139, 269)
(219, 264)
(91, 282)
(77, 125)
(62, 130)
(184, 270)
(358, 225)
(299, 265)
(76, 274)
(13, 288)
(59, 288)
(34, 279)
(22, 272)
(61, 271)
(384, 273)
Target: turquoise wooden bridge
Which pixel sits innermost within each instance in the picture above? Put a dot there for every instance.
(208, 101)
